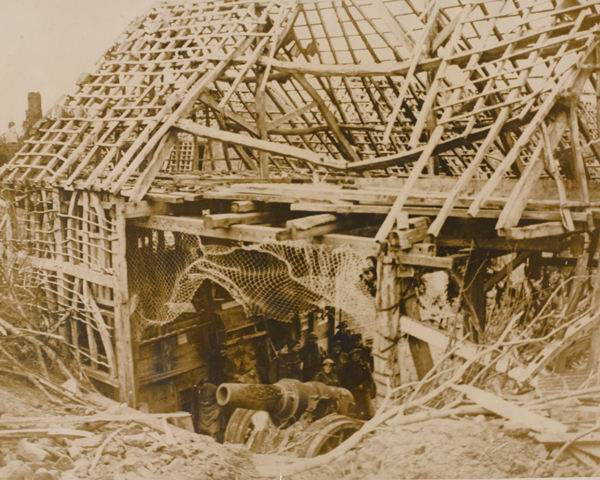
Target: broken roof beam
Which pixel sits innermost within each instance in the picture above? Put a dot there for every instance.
(227, 114)
(264, 145)
(344, 145)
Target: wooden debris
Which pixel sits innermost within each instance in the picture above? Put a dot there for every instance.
(45, 432)
(583, 326)
(314, 226)
(225, 220)
(539, 230)
(511, 411)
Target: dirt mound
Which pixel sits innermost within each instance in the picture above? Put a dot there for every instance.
(445, 448)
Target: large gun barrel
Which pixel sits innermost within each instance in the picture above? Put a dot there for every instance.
(288, 398)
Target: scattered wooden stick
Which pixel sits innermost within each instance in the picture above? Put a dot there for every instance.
(44, 432)
(101, 449)
(595, 428)
(101, 417)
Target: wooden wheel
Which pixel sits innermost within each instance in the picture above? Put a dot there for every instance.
(327, 433)
(239, 426)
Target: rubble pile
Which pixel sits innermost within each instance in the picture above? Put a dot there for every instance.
(114, 444)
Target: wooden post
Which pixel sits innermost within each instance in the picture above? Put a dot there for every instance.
(122, 331)
(260, 100)
(475, 297)
(579, 278)
(419, 349)
(595, 280)
(388, 317)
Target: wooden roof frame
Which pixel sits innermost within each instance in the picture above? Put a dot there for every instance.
(478, 90)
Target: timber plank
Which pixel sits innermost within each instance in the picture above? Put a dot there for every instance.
(509, 410)
(225, 220)
(535, 231)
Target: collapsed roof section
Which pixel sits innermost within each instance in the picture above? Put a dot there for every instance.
(480, 90)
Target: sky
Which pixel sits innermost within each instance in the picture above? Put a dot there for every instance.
(46, 44)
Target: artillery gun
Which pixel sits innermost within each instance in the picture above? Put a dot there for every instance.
(308, 418)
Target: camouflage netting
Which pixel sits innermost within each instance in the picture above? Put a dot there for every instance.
(277, 280)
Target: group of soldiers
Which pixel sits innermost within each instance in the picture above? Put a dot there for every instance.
(348, 364)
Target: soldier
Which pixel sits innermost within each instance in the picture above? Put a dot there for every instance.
(356, 376)
(326, 375)
(250, 377)
(342, 336)
(288, 362)
(208, 411)
(339, 358)
(310, 355)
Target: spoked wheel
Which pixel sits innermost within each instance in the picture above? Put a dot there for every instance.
(239, 426)
(252, 428)
(329, 432)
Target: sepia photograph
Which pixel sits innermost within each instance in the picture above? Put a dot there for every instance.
(299, 239)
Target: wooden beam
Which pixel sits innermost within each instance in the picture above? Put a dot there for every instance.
(456, 234)
(385, 352)
(553, 168)
(472, 287)
(578, 164)
(346, 148)
(249, 233)
(538, 230)
(146, 208)
(122, 330)
(419, 349)
(290, 116)
(444, 34)
(513, 210)
(226, 220)
(509, 410)
(161, 154)
(267, 146)
(314, 226)
(439, 339)
(260, 105)
(65, 268)
(506, 270)
(244, 206)
(405, 239)
(390, 220)
(228, 114)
